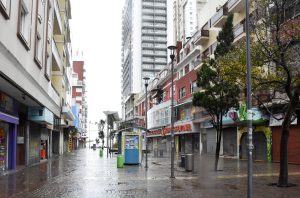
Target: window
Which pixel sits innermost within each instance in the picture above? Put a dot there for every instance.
(186, 69)
(182, 92)
(78, 98)
(181, 73)
(78, 90)
(40, 33)
(193, 86)
(24, 23)
(5, 8)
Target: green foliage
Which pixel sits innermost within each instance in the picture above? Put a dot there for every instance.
(218, 94)
(225, 38)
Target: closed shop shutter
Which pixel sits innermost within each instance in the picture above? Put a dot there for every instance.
(211, 141)
(260, 146)
(230, 141)
(34, 143)
(293, 144)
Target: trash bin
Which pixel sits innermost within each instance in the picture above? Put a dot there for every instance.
(182, 163)
(189, 162)
(101, 152)
(120, 161)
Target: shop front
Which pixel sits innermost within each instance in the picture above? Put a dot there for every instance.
(40, 128)
(8, 132)
(293, 142)
(262, 140)
(186, 139)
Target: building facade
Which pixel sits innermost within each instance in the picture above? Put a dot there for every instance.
(145, 27)
(35, 73)
(79, 103)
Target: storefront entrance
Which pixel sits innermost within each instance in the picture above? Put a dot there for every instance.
(4, 129)
(260, 146)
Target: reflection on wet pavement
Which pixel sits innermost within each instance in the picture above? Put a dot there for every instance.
(84, 174)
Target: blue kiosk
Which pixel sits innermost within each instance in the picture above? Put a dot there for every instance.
(132, 147)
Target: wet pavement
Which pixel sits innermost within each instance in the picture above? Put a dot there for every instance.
(84, 174)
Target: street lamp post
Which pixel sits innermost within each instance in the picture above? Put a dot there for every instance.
(249, 104)
(146, 79)
(172, 56)
(90, 132)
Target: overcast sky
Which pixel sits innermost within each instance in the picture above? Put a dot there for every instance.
(96, 30)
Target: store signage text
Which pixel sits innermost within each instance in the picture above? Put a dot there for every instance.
(167, 130)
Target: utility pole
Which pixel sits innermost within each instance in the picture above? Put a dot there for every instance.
(172, 56)
(249, 104)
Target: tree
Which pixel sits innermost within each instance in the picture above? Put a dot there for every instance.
(277, 32)
(100, 131)
(218, 95)
(275, 61)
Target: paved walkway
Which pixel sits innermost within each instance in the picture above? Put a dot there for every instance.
(84, 174)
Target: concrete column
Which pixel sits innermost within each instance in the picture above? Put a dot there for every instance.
(12, 147)
(200, 142)
(27, 128)
(61, 142)
(50, 144)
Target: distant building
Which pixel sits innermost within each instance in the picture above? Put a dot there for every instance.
(79, 100)
(146, 25)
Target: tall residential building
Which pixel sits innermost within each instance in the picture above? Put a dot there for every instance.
(186, 18)
(144, 43)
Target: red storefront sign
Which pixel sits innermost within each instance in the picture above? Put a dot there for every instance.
(167, 130)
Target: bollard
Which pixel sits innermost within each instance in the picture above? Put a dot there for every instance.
(120, 161)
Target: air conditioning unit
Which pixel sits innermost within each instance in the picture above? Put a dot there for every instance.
(218, 8)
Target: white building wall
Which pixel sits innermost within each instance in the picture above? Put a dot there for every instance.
(136, 50)
(18, 64)
(170, 26)
(208, 10)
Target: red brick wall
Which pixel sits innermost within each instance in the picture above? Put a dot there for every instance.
(78, 68)
(185, 82)
(293, 144)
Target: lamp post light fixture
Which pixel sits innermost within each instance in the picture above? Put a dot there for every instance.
(172, 56)
(146, 79)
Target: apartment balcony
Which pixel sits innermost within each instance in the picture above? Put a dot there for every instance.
(58, 26)
(148, 4)
(198, 63)
(160, 5)
(148, 11)
(212, 49)
(220, 17)
(239, 32)
(77, 83)
(188, 58)
(53, 93)
(235, 6)
(201, 37)
(68, 9)
(67, 112)
(57, 64)
(160, 12)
